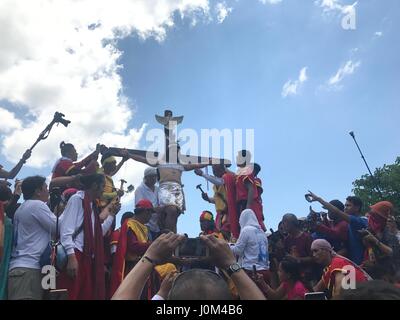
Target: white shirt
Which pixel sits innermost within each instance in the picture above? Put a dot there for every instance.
(252, 245)
(34, 224)
(144, 192)
(73, 220)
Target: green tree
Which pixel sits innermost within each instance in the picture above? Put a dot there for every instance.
(388, 179)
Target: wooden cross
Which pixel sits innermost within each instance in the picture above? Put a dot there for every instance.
(169, 122)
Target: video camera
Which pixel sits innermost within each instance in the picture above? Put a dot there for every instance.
(59, 118)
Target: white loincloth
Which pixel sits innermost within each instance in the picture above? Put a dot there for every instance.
(171, 194)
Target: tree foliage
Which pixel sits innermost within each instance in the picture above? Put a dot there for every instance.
(388, 180)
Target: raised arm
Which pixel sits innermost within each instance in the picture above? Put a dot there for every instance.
(329, 207)
(14, 171)
(191, 167)
(142, 160)
(65, 181)
(158, 253)
(119, 166)
(223, 258)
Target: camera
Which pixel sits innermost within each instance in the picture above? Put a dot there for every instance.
(192, 248)
(308, 198)
(59, 118)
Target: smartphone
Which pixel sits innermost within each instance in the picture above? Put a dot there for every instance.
(254, 271)
(308, 198)
(57, 295)
(192, 248)
(315, 296)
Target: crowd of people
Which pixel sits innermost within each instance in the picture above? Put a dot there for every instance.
(70, 224)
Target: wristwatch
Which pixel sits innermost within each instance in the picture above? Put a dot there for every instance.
(236, 267)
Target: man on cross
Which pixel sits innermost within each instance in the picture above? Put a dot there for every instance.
(170, 168)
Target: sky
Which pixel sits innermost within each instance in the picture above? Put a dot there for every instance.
(289, 70)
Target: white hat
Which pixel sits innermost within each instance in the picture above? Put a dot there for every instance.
(150, 172)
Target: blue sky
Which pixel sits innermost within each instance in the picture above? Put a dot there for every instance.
(231, 75)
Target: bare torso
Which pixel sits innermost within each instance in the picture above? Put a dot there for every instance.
(170, 173)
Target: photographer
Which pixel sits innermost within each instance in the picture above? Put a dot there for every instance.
(377, 240)
(335, 231)
(194, 284)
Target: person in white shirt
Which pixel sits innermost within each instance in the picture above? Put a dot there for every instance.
(34, 225)
(82, 233)
(252, 246)
(149, 191)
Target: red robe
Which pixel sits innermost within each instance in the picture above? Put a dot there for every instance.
(230, 186)
(242, 194)
(65, 167)
(119, 264)
(90, 281)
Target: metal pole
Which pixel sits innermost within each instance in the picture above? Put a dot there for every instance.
(365, 161)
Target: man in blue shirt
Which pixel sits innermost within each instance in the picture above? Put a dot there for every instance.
(357, 222)
(352, 214)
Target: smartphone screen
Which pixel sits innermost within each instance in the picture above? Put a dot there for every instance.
(192, 248)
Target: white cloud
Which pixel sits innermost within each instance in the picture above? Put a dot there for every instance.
(222, 11)
(335, 7)
(347, 69)
(292, 87)
(270, 1)
(62, 56)
(378, 34)
(8, 121)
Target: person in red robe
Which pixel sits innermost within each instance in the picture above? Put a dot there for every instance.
(247, 193)
(133, 242)
(336, 269)
(81, 234)
(67, 165)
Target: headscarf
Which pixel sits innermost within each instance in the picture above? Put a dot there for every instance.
(248, 219)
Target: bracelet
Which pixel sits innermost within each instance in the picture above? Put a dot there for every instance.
(149, 260)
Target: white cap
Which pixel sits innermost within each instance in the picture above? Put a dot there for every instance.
(150, 172)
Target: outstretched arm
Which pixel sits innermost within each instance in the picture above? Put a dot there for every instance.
(191, 167)
(14, 171)
(142, 160)
(159, 252)
(65, 181)
(223, 258)
(330, 207)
